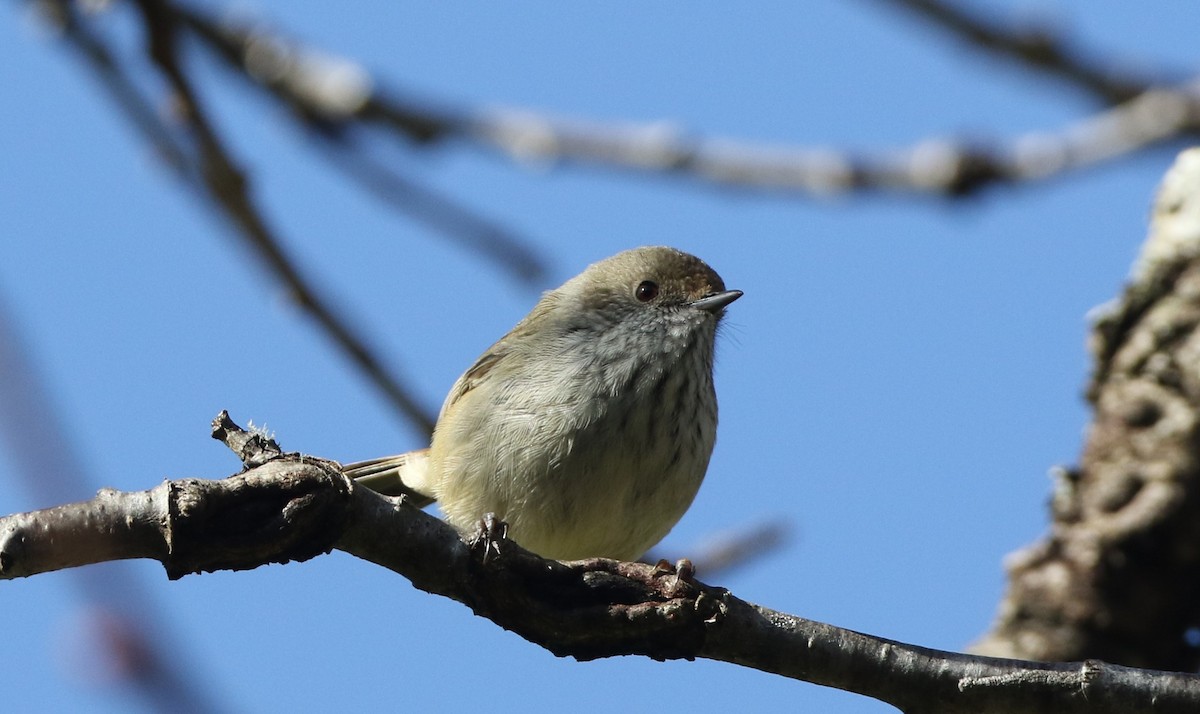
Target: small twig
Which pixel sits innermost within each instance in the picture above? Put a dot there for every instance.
(252, 447)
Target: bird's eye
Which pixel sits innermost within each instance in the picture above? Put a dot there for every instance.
(646, 291)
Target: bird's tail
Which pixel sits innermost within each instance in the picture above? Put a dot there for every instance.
(401, 475)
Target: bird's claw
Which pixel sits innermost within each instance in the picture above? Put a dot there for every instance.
(490, 531)
(684, 575)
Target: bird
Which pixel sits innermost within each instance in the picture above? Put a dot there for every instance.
(588, 428)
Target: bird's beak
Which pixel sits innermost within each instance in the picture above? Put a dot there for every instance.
(716, 301)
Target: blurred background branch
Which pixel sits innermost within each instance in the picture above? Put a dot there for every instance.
(197, 153)
(338, 94)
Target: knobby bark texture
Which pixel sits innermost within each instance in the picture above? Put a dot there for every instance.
(285, 507)
(1118, 576)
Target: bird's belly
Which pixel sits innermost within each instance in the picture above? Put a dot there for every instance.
(595, 501)
(606, 474)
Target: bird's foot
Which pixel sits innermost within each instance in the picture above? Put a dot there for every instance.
(489, 532)
(684, 575)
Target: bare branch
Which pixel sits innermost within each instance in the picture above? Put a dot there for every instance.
(1147, 116)
(940, 167)
(293, 508)
(1118, 578)
(114, 525)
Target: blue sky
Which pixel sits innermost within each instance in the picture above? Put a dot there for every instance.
(895, 384)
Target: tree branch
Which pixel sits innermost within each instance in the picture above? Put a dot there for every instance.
(1146, 116)
(290, 507)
